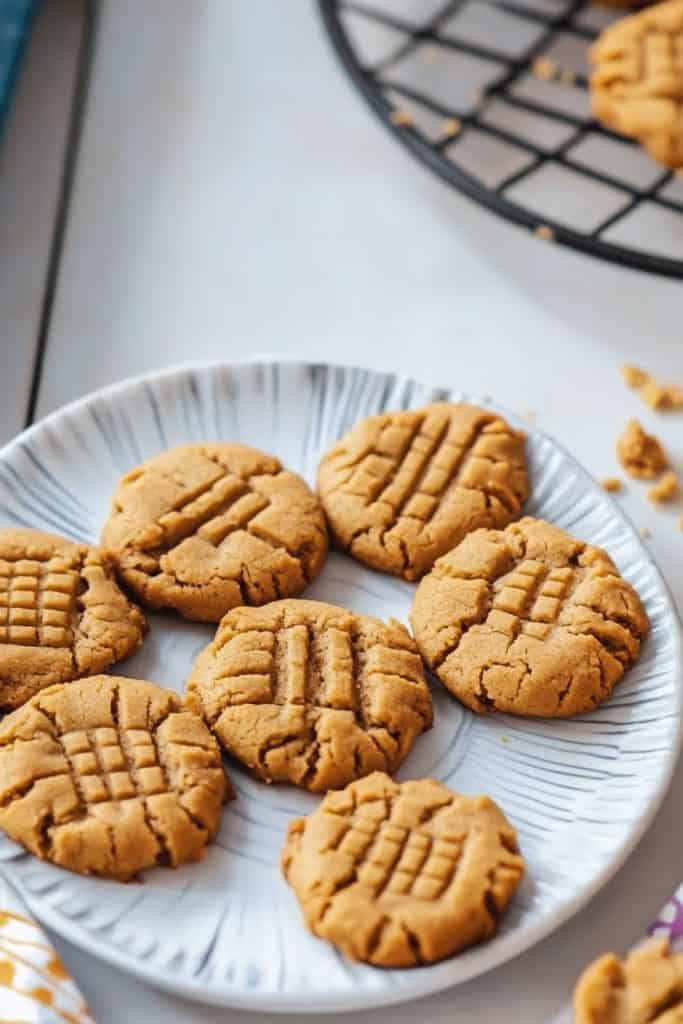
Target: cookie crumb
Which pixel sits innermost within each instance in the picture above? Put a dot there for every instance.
(568, 77)
(680, 523)
(545, 232)
(664, 489)
(645, 533)
(633, 376)
(451, 127)
(531, 415)
(544, 68)
(656, 395)
(642, 455)
(662, 396)
(401, 118)
(652, 393)
(612, 484)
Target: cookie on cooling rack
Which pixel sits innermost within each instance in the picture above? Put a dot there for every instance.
(109, 776)
(529, 621)
(637, 85)
(309, 693)
(206, 527)
(62, 614)
(399, 875)
(402, 488)
(646, 986)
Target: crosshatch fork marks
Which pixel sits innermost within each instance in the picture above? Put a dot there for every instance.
(394, 859)
(37, 602)
(311, 693)
(403, 488)
(560, 625)
(203, 528)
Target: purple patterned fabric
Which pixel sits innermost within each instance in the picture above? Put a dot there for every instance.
(670, 921)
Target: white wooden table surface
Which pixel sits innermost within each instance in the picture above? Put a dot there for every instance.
(232, 196)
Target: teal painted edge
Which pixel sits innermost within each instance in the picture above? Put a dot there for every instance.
(15, 22)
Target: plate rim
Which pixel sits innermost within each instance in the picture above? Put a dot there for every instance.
(434, 978)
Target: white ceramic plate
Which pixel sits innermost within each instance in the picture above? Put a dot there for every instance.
(228, 930)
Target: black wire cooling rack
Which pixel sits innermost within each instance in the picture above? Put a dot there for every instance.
(492, 95)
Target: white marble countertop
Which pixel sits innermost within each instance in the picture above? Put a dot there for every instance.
(234, 196)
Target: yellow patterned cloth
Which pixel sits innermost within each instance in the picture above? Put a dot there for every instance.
(35, 987)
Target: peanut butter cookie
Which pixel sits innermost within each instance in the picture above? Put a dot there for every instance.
(108, 776)
(62, 614)
(529, 621)
(206, 527)
(645, 988)
(306, 692)
(401, 875)
(403, 488)
(637, 85)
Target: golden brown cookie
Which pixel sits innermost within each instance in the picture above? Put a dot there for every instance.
(637, 85)
(62, 614)
(403, 488)
(108, 776)
(401, 875)
(306, 692)
(645, 988)
(642, 455)
(528, 620)
(206, 527)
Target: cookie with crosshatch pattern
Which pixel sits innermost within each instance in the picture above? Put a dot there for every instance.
(637, 85)
(62, 614)
(402, 488)
(399, 875)
(309, 693)
(206, 527)
(528, 620)
(109, 776)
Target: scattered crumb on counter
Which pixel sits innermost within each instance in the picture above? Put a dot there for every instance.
(504, 739)
(680, 523)
(531, 415)
(545, 232)
(544, 68)
(612, 484)
(633, 376)
(645, 533)
(654, 394)
(401, 118)
(568, 77)
(664, 489)
(451, 127)
(642, 455)
(662, 396)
